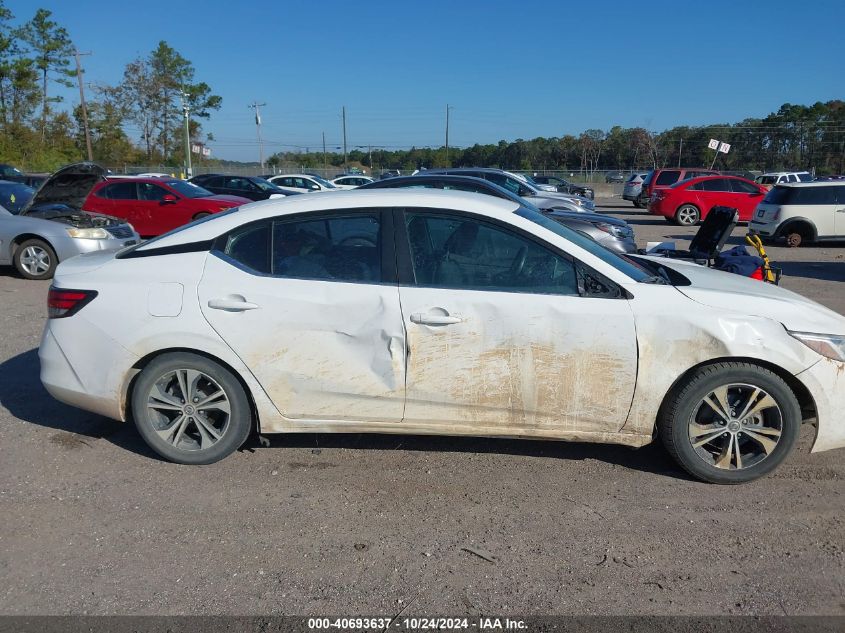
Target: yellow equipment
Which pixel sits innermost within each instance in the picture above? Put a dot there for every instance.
(770, 275)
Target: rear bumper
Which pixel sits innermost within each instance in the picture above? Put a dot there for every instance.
(826, 383)
(759, 228)
(83, 367)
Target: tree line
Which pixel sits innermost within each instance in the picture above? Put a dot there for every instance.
(794, 137)
(36, 134)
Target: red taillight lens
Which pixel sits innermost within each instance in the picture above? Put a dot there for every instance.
(64, 303)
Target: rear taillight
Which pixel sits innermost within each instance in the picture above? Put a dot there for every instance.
(64, 303)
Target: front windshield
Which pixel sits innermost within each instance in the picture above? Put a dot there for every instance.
(188, 189)
(324, 182)
(13, 197)
(623, 264)
(265, 185)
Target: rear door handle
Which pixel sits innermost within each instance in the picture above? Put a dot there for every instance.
(231, 304)
(434, 319)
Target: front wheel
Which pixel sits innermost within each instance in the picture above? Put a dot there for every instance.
(687, 215)
(36, 259)
(190, 409)
(730, 423)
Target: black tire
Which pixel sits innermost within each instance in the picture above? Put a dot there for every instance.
(28, 270)
(638, 204)
(677, 417)
(687, 215)
(201, 214)
(233, 430)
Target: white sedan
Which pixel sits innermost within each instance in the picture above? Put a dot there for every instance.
(351, 182)
(439, 312)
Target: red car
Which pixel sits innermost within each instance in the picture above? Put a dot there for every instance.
(154, 205)
(687, 202)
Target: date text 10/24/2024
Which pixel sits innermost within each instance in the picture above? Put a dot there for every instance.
(417, 623)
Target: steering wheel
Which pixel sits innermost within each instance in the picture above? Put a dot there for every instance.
(519, 261)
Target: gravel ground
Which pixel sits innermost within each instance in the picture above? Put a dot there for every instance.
(94, 523)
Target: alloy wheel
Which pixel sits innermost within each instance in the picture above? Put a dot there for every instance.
(35, 260)
(735, 426)
(687, 215)
(188, 409)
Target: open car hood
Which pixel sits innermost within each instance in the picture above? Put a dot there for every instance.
(69, 186)
(72, 217)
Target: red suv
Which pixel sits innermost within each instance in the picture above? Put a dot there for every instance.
(662, 178)
(154, 205)
(687, 202)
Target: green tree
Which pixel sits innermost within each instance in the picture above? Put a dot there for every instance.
(52, 49)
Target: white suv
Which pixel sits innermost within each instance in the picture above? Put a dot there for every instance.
(801, 213)
(783, 177)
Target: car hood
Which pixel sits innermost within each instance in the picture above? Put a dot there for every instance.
(735, 293)
(68, 215)
(69, 186)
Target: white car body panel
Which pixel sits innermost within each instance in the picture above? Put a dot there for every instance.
(523, 365)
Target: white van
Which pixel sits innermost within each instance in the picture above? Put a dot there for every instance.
(801, 213)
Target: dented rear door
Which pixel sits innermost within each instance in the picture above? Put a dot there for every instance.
(309, 306)
(500, 340)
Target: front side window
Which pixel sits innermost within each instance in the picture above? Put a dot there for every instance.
(150, 192)
(189, 189)
(240, 184)
(462, 252)
(740, 186)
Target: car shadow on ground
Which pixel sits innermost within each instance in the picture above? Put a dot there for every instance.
(22, 393)
(651, 459)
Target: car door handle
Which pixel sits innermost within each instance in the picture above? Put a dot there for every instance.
(435, 319)
(841, 210)
(233, 303)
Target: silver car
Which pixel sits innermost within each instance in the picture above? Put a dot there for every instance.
(52, 227)
(633, 188)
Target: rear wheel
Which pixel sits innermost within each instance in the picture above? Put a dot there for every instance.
(190, 409)
(798, 235)
(36, 259)
(638, 204)
(201, 215)
(687, 215)
(729, 423)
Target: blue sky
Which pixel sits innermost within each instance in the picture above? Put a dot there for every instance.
(509, 69)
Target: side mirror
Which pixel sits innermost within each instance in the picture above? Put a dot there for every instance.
(168, 198)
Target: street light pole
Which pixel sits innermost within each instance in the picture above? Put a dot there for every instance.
(448, 107)
(186, 109)
(255, 105)
(343, 115)
(79, 71)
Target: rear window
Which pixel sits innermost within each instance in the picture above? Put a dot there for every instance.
(667, 177)
(805, 195)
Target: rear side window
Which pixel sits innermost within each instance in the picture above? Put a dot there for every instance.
(716, 184)
(119, 191)
(331, 249)
(667, 177)
(250, 246)
(806, 195)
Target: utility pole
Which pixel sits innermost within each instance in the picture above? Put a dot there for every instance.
(680, 152)
(255, 105)
(448, 107)
(186, 109)
(343, 115)
(325, 164)
(77, 54)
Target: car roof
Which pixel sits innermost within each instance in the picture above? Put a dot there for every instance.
(355, 199)
(782, 173)
(154, 180)
(815, 183)
(295, 175)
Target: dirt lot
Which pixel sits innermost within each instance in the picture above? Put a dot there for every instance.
(94, 523)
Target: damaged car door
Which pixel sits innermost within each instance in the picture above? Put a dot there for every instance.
(507, 335)
(310, 304)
